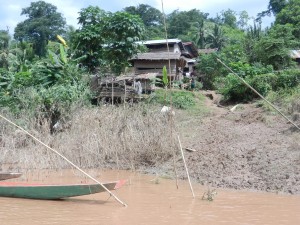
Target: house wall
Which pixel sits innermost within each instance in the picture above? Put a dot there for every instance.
(153, 66)
(176, 48)
(163, 48)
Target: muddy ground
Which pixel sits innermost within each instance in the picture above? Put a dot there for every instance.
(241, 149)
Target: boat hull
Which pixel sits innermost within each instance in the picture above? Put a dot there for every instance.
(52, 192)
(9, 175)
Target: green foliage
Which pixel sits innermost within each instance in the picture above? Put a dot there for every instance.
(245, 69)
(253, 35)
(182, 100)
(234, 89)
(150, 16)
(273, 49)
(107, 39)
(231, 88)
(288, 79)
(165, 76)
(243, 20)
(47, 85)
(121, 32)
(258, 76)
(4, 39)
(228, 18)
(216, 39)
(43, 24)
(290, 14)
(179, 22)
(275, 6)
(261, 79)
(88, 39)
(286, 99)
(179, 99)
(210, 69)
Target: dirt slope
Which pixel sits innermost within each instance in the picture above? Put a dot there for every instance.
(243, 149)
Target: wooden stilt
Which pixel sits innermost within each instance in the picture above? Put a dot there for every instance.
(186, 169)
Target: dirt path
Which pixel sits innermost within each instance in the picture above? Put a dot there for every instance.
(243, 149)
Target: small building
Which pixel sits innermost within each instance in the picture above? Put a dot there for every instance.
(178, 58)
(191, 50)
(295, 54)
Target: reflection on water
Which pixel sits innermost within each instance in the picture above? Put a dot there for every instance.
(150, 202)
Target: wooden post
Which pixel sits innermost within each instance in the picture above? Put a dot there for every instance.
(186, 169)
(124, 93)
(112, 90)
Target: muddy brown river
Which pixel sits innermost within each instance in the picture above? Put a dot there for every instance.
(150, 201)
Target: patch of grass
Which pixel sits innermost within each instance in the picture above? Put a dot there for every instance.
(288, 100)
(209, 195)
(179, 99)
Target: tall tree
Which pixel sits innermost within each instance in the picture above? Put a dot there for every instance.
(253, 35)
(150, 15)
(42, 25)
(216, 38)
(107, 39)
(121, 32)
(179, 22)
(4, 39)
(274, 7)
(88, 39)
(243, 20)
(290, 14)
(274, 48)
(199, 36)
(228, 18)
(152, 19)
(4, 43)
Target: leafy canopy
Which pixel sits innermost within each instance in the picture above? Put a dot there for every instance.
(150, 15)
(43, 24)
(108, 39)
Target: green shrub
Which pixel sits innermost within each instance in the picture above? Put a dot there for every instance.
(263, 83)
(232, 88)
(262, 79)
(180, 99)
(288, 79)
(288, 100)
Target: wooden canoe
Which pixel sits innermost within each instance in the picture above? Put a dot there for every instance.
(9, 175)
(52, 192)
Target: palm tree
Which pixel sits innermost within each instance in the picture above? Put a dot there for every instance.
(216, 39)
(199, 37)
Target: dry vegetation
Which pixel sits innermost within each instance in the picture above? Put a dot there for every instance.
(118, 137)
(242, 149)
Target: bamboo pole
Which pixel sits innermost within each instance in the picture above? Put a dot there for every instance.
(171, 102)
(256, 92)
(65, 158)
(112, 90)
(124, 94)
(166, 32)
(186, 169)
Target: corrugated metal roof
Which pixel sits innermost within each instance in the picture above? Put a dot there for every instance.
(157, 56)
(295, 54)
(207, 50)
(146, 76)
(163, 41)
(188, 60)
